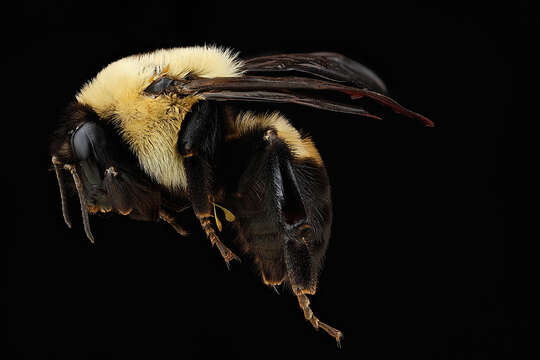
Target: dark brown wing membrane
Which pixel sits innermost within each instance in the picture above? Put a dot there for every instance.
(298, 90)
(326, 65)
(335, 83)
(277, 97)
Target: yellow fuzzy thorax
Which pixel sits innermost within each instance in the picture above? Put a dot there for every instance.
(149, 123)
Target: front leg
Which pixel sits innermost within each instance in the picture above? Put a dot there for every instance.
(199, 142)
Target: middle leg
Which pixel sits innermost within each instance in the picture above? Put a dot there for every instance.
(198, 142)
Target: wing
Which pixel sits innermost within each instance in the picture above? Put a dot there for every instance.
(332, 82)
(325, 65)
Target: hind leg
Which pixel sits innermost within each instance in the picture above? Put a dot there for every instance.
(308, 314)
(303, 275)
(287, 218)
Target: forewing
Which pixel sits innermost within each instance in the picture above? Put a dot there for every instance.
(332, 82)
(325, 65)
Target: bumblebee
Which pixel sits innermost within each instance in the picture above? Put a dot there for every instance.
(157, 133)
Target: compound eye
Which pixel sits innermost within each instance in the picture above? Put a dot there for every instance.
(88, 144)
(86, 139)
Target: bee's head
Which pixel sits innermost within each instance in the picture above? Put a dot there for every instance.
(104, 172)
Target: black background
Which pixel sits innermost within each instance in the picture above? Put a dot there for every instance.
(418, 264)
